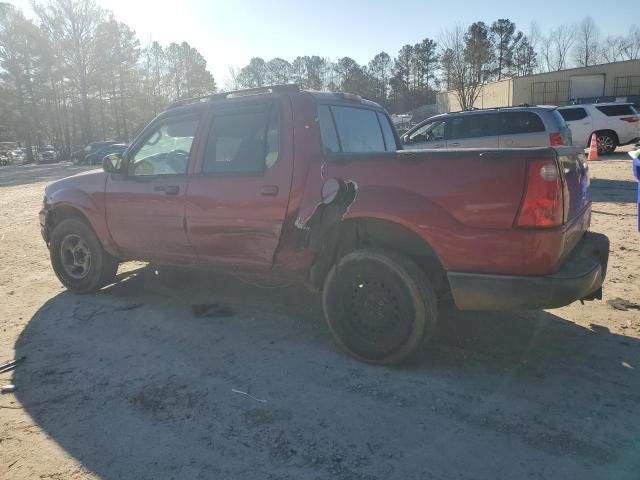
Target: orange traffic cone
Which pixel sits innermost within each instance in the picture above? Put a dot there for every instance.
(593, 148)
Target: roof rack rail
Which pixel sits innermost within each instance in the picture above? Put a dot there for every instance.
(284, 88)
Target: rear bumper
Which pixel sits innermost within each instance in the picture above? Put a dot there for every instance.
(580, 277)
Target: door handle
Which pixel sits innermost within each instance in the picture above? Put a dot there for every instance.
(456, 144)
(269, 190)
(167, 189)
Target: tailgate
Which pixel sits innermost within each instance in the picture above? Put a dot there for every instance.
(575, 176)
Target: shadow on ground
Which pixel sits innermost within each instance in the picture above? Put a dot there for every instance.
(134, 385)
(620, 191)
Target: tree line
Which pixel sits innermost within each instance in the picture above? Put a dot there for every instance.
(75, 74)
(461, 59)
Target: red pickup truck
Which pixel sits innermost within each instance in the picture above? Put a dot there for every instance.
(315, 186)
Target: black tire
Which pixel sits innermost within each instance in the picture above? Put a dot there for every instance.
(100, 268)
(607, 143)
(380, 306)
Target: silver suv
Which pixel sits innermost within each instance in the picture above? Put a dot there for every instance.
(540, 126)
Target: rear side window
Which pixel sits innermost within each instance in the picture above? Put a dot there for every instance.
(473, 126)
(616, 110)
(387, 133)
(243, 142)
(571, 114)
(354, 130)
(520, 122)
(328, 130)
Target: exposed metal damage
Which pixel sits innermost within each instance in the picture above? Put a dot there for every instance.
(336, 199)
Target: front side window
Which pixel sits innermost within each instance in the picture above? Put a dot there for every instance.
(243, 142)
(166, 149)
(429, 132)
(520, 122)
(572, 114)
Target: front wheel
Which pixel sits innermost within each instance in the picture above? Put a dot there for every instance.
(78, 258)
(379, 305)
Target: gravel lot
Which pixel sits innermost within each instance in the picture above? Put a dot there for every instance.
(130, 384)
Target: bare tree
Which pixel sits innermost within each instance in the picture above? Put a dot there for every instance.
(586, 50)
(461, 76)
(630, 45)
(232, 82)
(611, 49)
(560, 41)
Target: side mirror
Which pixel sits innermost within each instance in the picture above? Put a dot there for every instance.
(112, 163)
(405, 138)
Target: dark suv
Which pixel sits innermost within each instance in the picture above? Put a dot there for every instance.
(491, 128)
(79, 157)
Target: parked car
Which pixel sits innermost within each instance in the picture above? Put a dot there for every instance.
(491, 128)
(18, 155)
(96, 156)
(313, 186)
(614, 124)
(6, 152)
(79, 157)
(47, 154)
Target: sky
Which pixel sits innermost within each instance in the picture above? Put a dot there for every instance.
(229, 33)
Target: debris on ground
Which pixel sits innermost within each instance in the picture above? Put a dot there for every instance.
(8, 388)
(212, 310)
(10, 365)
(622, 304)
(248, 395)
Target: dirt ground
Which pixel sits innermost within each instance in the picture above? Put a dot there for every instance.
(130, 384)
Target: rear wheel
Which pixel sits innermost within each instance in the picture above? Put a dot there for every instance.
(78, 258)
(606, 143)
(379, 305)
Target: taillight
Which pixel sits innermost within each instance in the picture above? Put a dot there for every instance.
(542, 201)
(630, 119)
(555, 139)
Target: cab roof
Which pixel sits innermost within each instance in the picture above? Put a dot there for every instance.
(197, 104)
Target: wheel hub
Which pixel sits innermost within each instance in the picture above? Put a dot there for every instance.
(374, 307)
(75, 256)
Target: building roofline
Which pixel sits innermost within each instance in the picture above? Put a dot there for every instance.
(555, 71)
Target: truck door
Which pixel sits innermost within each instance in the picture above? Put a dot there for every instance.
(237, 199)
(145, 206)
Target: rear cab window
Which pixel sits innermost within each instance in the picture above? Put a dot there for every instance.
(347, 129)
